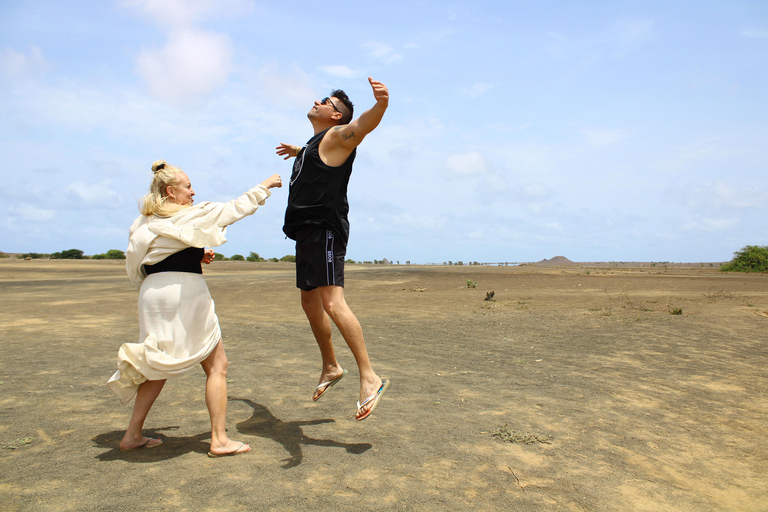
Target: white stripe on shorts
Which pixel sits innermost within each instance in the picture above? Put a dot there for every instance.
(330, 270)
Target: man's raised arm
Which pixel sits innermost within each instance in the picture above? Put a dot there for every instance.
(351, 135)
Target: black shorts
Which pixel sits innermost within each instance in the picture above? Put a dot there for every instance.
(319, 258)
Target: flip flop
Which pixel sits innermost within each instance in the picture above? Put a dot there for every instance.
(326, 385)
(146, 444)
(375, 397)
(234, 452)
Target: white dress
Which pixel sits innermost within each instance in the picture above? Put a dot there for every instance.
(177, 318)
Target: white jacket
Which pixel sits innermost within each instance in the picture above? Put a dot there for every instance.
(151, 239)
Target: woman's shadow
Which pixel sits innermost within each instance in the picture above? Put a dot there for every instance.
(289, 434)
(173, 446)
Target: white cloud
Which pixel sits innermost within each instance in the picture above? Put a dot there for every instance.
(467, 163)
(15, 64)
(710, 224)
(32, 213)
(479, 89)
(293, 85)
(755, 34)
(719, 195)
(476, 235)
(698, 153)
(554, 226)
(629, 34)
(184, 13)
(603, 136)
(96, 194)
(619, 40)
(418, 222)
(536, 191)
(382, 51)
(340, 71)
(190, 67)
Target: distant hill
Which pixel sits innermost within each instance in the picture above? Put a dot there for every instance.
(557, 260)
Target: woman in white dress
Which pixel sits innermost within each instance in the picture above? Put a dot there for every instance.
(177, 319)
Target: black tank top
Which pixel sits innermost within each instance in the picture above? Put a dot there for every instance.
(318, 192)
(186, 260)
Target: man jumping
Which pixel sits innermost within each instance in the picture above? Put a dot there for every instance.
(316, 218)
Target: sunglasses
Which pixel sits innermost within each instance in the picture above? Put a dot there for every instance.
(327, 100)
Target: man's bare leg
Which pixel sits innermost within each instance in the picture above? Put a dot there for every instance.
(335, 305)
(320, 322)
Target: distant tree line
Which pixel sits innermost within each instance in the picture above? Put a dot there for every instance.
(253, 256)
(750, 258)
(114, 254)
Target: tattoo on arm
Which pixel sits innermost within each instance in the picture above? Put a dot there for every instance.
(345, 137)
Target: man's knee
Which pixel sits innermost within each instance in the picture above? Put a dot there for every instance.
(333, 300)
(311, 302)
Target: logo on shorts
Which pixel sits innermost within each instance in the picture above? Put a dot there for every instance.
(330, 256)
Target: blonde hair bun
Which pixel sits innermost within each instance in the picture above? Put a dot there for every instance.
(159, 165)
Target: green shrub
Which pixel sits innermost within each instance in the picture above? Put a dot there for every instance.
(31, 255)
(289, 258)
(751, 258)
(237, 257)
(254, 256)
(112, 254)
(71, 254)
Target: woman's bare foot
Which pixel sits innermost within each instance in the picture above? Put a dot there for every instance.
(231, 448)
(127, 445)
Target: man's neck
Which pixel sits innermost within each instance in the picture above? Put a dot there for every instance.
(319, 127)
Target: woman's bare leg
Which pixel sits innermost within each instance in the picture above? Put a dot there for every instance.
(145, 396)
(215, 367)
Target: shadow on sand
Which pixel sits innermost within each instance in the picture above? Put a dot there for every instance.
(171, 447)
(262, 423)
(289, 434)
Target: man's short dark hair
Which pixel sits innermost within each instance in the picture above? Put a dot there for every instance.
(347, 108)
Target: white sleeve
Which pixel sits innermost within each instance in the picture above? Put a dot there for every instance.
(205, 225)
(224, 214)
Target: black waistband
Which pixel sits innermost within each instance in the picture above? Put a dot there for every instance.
(187, 260)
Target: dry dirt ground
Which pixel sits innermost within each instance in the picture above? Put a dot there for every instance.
(625, 405)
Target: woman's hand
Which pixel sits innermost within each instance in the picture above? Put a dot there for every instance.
(208, 256)
(272, 182)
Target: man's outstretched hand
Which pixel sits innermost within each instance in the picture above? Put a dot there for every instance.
(287, 150)
(380, 92)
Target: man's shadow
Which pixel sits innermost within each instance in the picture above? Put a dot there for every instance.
(263, 424)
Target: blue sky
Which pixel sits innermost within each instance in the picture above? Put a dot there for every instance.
(517, 130)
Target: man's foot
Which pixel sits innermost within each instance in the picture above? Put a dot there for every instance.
(323, 387)
(369, 404)
(146, 442)
(237, 448)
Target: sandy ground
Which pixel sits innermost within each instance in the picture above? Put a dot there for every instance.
(629, 406)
